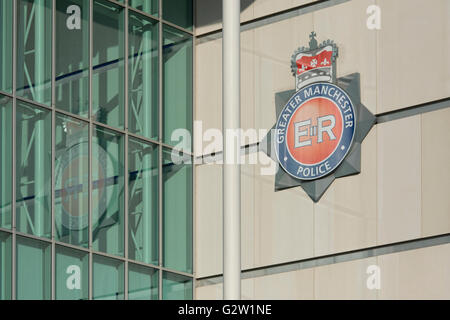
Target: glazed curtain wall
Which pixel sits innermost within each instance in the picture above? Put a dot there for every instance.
(91, 204)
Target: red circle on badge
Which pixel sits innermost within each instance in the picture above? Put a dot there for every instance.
(314, 131)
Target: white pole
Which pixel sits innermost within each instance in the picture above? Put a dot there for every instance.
(231, 168)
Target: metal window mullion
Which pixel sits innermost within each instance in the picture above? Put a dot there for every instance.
(176, 272)
(71, 115)
(4, 230)
(71, 246)
(167, 146)
(40, 46)
(109, 255)
(161, 19)
(125, 172)
(148, 15)
(143, 264)
(175, 26)
(91, 52)
(34, 237)
(139, 137)
(7, 94)
(118, 3)
(13, 202)
(160, 153)
(53, 269)
(99, 124)
(34, 103)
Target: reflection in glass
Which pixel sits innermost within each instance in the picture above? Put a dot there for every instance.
(148, 6)
(142, 283)
(5, 161)
(143, 201)
(6, 41)
(33, 165)
(108, 279)
(177, 214)
(108, 192)
(34, 50)
(176, 287)
(178, 12)
(177, 83)
(33, 267)
(108, 87)
(72, 274)
(143, 76)
(71, 181)
(5, 266)
(72, 56)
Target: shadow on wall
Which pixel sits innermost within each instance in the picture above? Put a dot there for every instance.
(210, 11)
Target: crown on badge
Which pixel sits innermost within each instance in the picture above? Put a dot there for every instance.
(316, 63)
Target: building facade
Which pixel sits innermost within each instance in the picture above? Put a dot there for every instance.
(381, 234)
(91, 204)
(102, 195)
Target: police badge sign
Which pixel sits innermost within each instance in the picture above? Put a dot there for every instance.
(320, 125)
(315, 131)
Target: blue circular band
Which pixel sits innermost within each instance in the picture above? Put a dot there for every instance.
(318, 170)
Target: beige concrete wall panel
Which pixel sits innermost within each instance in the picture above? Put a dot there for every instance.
(436, 172)
(345, 217)
(208, 192)
(414, 42)
(283, 223)
(209, 85)
(399, 180)
(346, 280)
(345, 24)
(296, 285)
(416, 274)
(274, 46)
(250, 9)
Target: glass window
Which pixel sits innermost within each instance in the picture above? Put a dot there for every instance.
(34, 50)
(72, 56)
(178, 12)
(71, 181)
(5, 161)
(143, 202)
(33, 165)
(33, 269)
(108, 192)
(148, 6)
(5, 266)
(143, 76)
(177, 213)
(108, 279)
(108, 87)
(177, 83)
(70, 132)
(72, 274)
(142, 283)
(176, 287)
(6, 44)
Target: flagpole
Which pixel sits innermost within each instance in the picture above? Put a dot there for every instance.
(231, 156)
